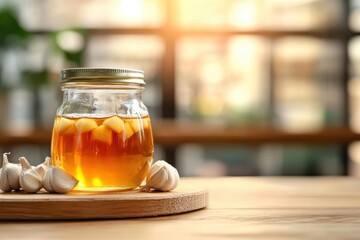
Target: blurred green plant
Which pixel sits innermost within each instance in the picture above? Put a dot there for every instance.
(74, 55)
(13, 35)
(10, 28)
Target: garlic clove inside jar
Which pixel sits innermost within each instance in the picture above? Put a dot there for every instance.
(84, 125)
(114, 123)
(102, 134)
(128, 130)
(66, 125)
(138, 124)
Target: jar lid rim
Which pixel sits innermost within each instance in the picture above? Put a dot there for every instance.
(102, 74)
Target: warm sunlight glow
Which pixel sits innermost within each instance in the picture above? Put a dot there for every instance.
(130, 10)
(244, 14)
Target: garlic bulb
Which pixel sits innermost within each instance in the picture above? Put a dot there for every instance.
(57, 180)
(42, 168)
(30, 180)
(162, 176)
(9, 175)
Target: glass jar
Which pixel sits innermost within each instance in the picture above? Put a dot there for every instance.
(102, 132)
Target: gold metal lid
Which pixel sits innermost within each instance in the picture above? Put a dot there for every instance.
(102, 75)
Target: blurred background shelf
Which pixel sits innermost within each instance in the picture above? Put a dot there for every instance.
(331, 33)
(170, 133)
(174, 134)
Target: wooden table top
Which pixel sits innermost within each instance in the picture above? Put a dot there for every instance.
(238, 208)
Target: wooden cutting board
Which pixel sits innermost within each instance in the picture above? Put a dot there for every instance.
(86, 205)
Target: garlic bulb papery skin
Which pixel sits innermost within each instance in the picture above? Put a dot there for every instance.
(41, 169)
(30, 180)
(9, 175)
(173, 179)
(162, 177)
(59, 181)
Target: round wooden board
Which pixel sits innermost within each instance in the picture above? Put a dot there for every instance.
(79, 205)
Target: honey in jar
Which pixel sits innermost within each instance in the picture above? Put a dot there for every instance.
(102, 132)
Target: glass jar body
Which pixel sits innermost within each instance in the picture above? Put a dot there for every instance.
(102, 135)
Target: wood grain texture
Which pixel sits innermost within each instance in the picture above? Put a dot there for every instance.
(238, 208)
(22, 206)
